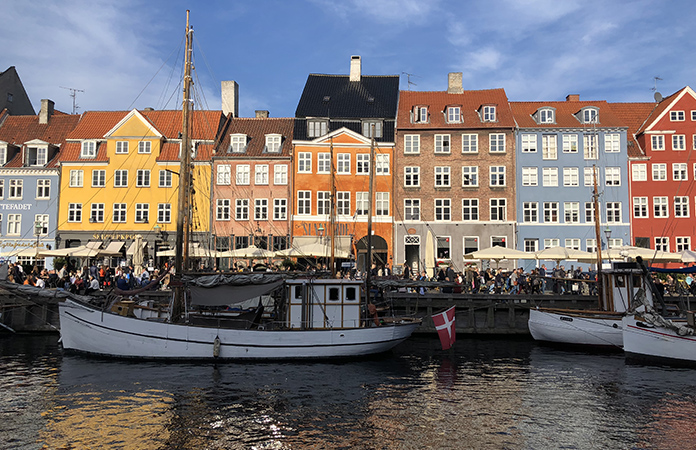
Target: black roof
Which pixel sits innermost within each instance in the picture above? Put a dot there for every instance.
(335, 96)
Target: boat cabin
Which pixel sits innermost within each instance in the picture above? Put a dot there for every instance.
(624, 279)
(323, 304)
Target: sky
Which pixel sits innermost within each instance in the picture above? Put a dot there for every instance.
(129, 54)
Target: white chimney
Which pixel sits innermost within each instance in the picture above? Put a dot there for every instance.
(262, 114)
(454, 83)
(46, 110)
(230, 98)
(355, 68)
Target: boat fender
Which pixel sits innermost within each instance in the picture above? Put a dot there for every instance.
(216, 347)
(615, 325)
(372, 309)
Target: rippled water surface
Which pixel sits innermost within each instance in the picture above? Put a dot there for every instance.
(485, 393)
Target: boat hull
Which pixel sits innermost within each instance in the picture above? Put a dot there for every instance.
(645, 342)
(89, 330)
(582, 328)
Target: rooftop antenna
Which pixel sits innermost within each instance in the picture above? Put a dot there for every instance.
(657, 96)
(73, 94)
(408, 79)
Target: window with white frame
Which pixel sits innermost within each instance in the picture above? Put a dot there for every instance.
(362, 163)
(42, 221)
(74, 212)
(121, 147)
(683, 243)
(612, 176)
(552, 242)
(571, 177)
(382, 164)
(224, 174)
(678, 142)
(119, 213)
(489, 113)
(43, 189)
(662, 244)
(570, 143)
(242, 174)
(261, 174)
(529, 143)
(640, 207)
(614, 212)
(454, 114)
(549, 149)
(343, 203)
(469, 143)
(660, 207)
(164, 212)
(676, 116)
(280, 209)
(551, 212)
(323, 162)
(588, 176)
(304, 203)
(659, 172)
(238, 143)
(76, 178)
(317, 128)
(323, 203)
(443, 209)
(442, 176)
(693, 115)
(89, 149)
(589, 212)
(280, 174)
(442, 250)
(612, 143)
(531, 245)
(590, 115)
(573, 243)
(639, 172)
(382, 204)
(97, 213)
(657, 142)
(411, 144)
(241, 210)
(343, 163)
(546, 115)
(142, 212)
(422, 114)
(496, 142)
(120, 178)
(530, 212)
(142, 178)
(470, 209)
(549, 176)
(680, 172)
(497, 174)
(571, 212)
(3, 155)
(411, 209)
(589, 143)
(362, 203)
(98, 178)
(471, 244)
(37, 156)
(273, 143)
(591, 245)
(470, 176)
(261, 209)
(14, 224)
(498, 209)
(222, 210)
(412, 176)
(372, 128)
(165, 179)
(530, 176)
(145, 147)
(442, 143)
(681, 206)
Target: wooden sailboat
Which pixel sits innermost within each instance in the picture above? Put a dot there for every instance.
(310, 318)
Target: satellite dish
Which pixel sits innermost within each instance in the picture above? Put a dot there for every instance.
(658, 97)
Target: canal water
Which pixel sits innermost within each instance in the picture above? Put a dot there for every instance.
(483, 394)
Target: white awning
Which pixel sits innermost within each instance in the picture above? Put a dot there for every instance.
(318, 246)
(131, 248)
(26, 251)
(113, 249)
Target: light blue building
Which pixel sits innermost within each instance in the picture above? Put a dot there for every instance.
(560, 148)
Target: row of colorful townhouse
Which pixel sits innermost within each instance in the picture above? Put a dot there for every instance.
(454, 171)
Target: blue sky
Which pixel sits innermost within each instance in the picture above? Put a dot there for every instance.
(128, 54)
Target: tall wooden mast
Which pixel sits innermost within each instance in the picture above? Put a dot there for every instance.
(368, 259)
(598, 238)
(332, 215)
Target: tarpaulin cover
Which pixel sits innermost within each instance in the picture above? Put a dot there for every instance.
(230, 289)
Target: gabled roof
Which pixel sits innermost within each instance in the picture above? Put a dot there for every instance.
(71, 153)
(633, 115)
(170, 152)
(565, 114)
(256, 130)
(662, 108)
(470, 102)
(374, 96)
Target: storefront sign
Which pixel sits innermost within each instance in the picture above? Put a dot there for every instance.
(113, 236)
(312, 229)
(15, 206)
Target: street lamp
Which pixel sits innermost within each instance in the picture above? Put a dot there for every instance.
(607, 233)
(38, 226)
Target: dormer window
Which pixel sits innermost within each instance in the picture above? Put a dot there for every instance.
(420, 114)
(488, 113)
(454, 114)
(238, 143)
(547, 115)
(317, 128)
(372, 128)
(37, 156)
(89, 149)
(3, 154)
(590, 115)
(273, 143)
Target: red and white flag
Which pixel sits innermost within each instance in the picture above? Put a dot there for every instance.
(445, 326)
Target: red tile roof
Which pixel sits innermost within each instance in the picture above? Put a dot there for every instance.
(71, 153)
(565, 114)
(256, 130)
(659, 109)
(633, 115)
(470, 101)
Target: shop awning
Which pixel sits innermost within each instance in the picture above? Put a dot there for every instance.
(131, 248)
(113, 249)
(318, 247)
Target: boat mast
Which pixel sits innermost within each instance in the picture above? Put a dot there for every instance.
(332, 215)
(595, 200)
(368, 260)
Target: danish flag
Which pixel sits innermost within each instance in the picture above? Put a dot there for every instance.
(445, 326)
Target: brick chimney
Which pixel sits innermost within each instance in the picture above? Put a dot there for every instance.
(355, 68)
(46, 110)
(230, 98)
(573, 97)
(261, 114)
(454, 83)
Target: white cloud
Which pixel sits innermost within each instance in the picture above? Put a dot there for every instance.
(382, 11)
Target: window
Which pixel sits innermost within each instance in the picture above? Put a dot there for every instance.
(280, 209)
(570, 143)
(382, 203)
(549, 176)
(362, 163)
(443, 247)
(76, 178)
(443, 209)
(693, 115)
(164, 212)
(14, 224)
(238, 143)
(530, 212)
(571, 212)
(273, 143)
(119, 213)
(442, 176)
(681, 206)
(241, 209)
(590, 146)
(97, 213)
(678, 142)
(243, 174)
(411, 176)
(498, 241)
(165, 178)
(571, 177)
(343, 203)
(261, 209)
(261, 174)
(552, 242)
(680, 172)
(37, 156)
(639, 172)
(470, 209)
(546, 116)
(442, 143)
(343, 163)
(498, 209)
(411, 143)
(497, 174)
(98, 178)
(660, 207)
(372, 128)
(280, 174)
(74, 212)
(589, 175)
(304, 203)
(0, 224)
(241, 241)
(549, 149)
(121, 147)
(591, 245)
(323, 162)
(362, 203)
(469, 143)
(144, 147)
(142, 212)
(382, 164)
(662, 244)
(120, 178)
(551, 212)
(590, 115)
(222, 211)
(614, 212)
(676, 116)
(683, 243)
(529, 143)
(612, 143)
(224, 174)
(42, 221)
(530, 176)
(412, 209)
(16, 189)
(142, 178)
(612, 176)
(323, 203)
(531, 245)
(658, 143)
(89, 149)
(640, 207)
(43, 189)
(573, 243)
(589, 212)
(470, 176)
(316, 128)
(489, 113)
(659, 172)
(496, 143)
(421, 114)
(454, 114)
(3, 155)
